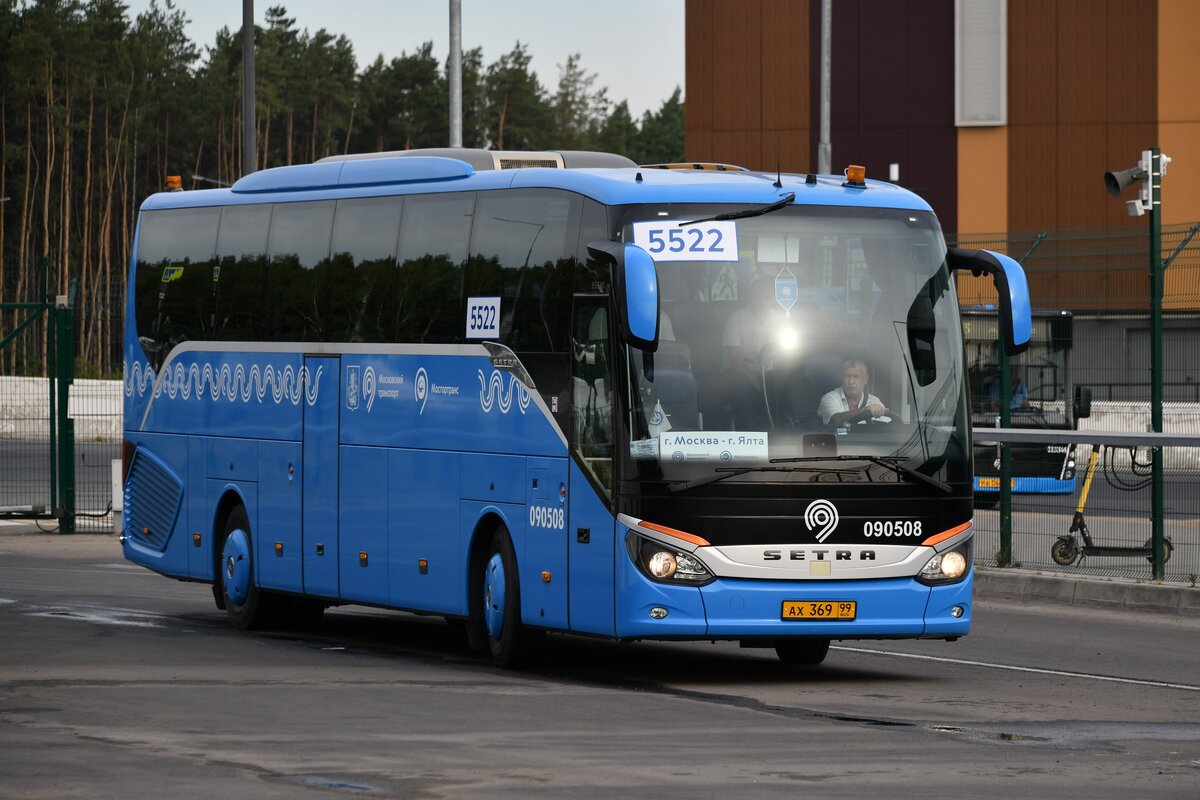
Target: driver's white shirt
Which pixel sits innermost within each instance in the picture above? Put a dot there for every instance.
(835, 402)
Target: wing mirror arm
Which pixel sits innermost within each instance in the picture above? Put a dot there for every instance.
(1016, 318)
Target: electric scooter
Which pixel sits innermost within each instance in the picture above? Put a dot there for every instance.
(1067, 549)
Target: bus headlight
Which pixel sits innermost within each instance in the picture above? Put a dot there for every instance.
(948, 567)
(662, 564)
(665, 564)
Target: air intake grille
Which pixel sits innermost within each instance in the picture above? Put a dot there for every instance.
(518, 163)
(152, 500)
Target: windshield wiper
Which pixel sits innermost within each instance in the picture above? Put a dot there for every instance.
(721, 473)
(897, 467)
(746, 212)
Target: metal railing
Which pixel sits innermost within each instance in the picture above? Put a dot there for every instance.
(1117, 517)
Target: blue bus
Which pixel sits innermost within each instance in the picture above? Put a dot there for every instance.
(1041, 398)
(557, 392)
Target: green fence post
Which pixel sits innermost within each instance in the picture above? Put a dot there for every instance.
(1004, 557)
(63, 377)
(51, 370)
(1156, 357)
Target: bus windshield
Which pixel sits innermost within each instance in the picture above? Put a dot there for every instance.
(816, 334)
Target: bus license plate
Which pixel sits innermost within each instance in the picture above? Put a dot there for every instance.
(819, 609)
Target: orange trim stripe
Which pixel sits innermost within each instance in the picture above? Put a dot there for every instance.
(944, 535)
(687, 537)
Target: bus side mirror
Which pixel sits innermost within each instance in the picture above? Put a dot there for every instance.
(635, 291)
(1082, 407)
(1016, 317)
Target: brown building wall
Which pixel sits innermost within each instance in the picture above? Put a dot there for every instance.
(893, 94)
(752, 89)
(1082, 99)
(1091, 83)
(747, 83)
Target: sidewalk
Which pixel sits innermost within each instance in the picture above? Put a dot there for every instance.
(1035, 586)
(1021, 585)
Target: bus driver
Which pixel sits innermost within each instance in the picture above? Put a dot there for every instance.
(841, 404)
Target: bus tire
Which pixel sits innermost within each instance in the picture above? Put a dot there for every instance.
(507, 640)
(802, 652)
(248, 607)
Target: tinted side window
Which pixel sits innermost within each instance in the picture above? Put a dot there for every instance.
(433, 250)
(241, 290)
(174, 278)
(363, 282)
(298, 274)
(522, 252)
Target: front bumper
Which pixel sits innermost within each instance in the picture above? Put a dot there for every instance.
(734, 608)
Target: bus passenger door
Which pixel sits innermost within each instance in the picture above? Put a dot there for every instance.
(321, 402)
(591, 529)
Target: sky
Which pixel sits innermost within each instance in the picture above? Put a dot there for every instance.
(634, 47)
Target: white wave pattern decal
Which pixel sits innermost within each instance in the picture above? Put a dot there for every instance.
(232, 383)
(492, 392)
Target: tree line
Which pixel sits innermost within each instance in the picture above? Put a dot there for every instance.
(97, 108)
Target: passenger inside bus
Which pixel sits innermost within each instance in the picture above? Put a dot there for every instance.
(1018, 392)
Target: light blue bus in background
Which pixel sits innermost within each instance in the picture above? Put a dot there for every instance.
(557, 392)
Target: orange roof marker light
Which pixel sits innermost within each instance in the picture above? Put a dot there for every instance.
(856, 175)
(687, 537)
(944, 535)
(174, 183)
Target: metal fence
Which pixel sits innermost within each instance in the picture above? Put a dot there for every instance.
(58, 435)
(1116, 515)
(1102, 276)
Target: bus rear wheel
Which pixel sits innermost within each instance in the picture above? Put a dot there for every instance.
(802, 652)
(507, 640)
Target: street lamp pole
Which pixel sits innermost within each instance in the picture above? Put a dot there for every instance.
(249, 143)
(454, 68)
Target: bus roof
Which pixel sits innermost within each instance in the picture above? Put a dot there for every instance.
(420, 174)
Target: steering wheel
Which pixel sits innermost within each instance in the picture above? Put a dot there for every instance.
(860, 416)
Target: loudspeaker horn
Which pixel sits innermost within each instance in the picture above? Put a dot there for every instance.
(1117, 182)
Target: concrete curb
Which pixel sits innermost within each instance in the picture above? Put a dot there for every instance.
(1076, 590)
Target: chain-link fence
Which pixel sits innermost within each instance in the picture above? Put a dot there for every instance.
(26, 484)
(58, 435)
(1101, 278)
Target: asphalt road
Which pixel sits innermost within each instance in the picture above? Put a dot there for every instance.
(115, 682)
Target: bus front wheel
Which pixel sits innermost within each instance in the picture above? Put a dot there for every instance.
(802, 652)
(507, 639)
(245, 604)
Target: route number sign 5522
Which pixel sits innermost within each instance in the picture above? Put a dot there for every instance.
(666, 240)
(483, 317)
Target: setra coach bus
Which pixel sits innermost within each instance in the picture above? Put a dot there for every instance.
(557, 392)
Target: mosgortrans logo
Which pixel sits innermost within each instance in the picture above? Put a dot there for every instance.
(421, 389)
(821, 516)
